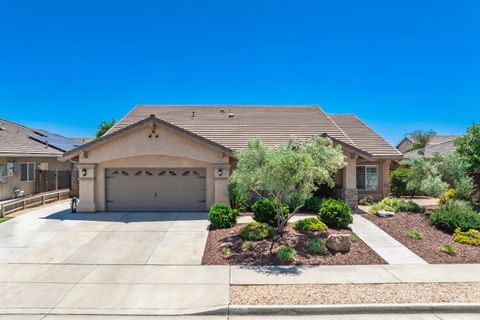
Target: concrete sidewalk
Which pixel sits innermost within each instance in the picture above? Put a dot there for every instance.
(177, 290)
(392, 251)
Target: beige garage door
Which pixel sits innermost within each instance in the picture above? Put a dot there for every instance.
(155, 189)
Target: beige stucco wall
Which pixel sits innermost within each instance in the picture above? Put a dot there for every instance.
(141, 148)
(13, 182)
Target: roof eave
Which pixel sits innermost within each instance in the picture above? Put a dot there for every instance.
(85, 147)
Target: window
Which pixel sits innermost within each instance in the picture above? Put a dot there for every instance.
(27, 171)
(367, 178)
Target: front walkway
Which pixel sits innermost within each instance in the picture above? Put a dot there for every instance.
(392, 251)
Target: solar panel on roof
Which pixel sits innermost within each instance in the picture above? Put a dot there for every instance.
(55, 140)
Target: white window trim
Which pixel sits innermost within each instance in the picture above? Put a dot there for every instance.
(28, 168)
(369, 166)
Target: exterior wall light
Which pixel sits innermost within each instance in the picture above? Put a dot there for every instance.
(220, 172)
(84, 172)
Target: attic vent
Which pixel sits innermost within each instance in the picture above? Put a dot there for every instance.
(231, 115)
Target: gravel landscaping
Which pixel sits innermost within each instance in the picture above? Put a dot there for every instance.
(214, 254)
(356, 293)
(427, 247)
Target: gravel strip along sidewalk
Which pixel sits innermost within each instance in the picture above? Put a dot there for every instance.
(355, 294)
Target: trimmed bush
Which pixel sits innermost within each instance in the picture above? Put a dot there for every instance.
(315, 245)
(335, 213)
(310, 224)
(313, 204)
(366, 201)
(455, 214)
(264, 211)
(255, 231)
(248, 245)
(398, 181)
(471, 237)
(286, 254)
(222, 216)
(396, 205)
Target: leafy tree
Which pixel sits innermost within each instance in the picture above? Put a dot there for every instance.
(451, 167)
(468, 147)
(425, 178)
(104, 127)
(420, 138)
(288, 172)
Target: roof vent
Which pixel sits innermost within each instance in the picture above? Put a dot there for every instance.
(231, 115)
(193, 114)
(222, 110)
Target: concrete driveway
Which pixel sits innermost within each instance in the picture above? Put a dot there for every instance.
(54, 262)
(54, 235)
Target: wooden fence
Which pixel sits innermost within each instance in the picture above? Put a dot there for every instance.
(33, 201)
(50, 180)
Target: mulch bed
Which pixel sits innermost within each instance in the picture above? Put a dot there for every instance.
(359, 253)
(428, 247)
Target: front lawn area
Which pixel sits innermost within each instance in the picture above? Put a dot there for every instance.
(243, 252)
(4, 219)
(428, 247)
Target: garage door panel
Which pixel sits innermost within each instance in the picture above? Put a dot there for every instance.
(155, 189)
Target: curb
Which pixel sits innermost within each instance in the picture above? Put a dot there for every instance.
(354, 309)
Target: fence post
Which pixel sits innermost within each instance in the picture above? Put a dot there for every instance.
(24, 204)
(43, 199)
(2, 210)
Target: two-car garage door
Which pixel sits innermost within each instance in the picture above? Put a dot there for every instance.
(155, 189)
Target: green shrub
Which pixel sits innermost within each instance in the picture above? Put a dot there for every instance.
(455, 214)
(264, 211)
(310, 224)
(448, 249)
(396, 205)
(248, 245)
(315, 245)
(286, 254)
(398, 181)
(417, 235)
(226, 250)
(313, 204)
(465, 187)
(335, 213)
(255, 231)
(353, 237)
(366, 201)
(222, 216)
(471, 237)
(238, 197)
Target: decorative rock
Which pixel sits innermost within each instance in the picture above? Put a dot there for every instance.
(338, 242)
(226, 244)
(385, 214)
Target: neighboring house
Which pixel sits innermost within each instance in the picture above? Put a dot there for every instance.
(443, 144)
(179, 158)
(23, 151)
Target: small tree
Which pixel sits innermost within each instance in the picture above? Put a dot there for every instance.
(425, 178)
(420, 138)
(104, 127)
(451, 167)
(468, 147)
(287, 172)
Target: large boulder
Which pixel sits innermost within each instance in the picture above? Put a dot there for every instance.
(339, 242)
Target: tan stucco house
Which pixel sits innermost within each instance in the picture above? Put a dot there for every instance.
(164, 158)
(24, 151)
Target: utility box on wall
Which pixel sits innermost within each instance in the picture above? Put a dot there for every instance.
(11, 168)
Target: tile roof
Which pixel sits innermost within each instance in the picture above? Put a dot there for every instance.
(16, 140)
(363, 136)
(447, 147)
(272, 124)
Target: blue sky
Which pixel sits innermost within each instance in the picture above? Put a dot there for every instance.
(399, 65)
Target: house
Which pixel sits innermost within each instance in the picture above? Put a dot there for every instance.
(25, 151)
(179, 158)
(443, 144)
